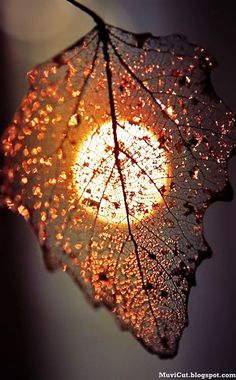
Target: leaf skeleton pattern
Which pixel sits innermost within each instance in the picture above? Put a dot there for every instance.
(142, 266)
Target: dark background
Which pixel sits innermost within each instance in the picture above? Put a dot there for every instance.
(48, 331)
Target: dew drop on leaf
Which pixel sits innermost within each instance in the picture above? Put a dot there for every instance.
(113, 157)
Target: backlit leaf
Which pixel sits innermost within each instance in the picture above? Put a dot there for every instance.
(113, 157)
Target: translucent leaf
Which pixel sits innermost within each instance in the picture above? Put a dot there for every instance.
(113, 156)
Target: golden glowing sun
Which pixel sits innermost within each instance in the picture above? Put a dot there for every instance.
(143, 166)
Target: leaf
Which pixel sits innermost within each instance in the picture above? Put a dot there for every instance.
(113, 157)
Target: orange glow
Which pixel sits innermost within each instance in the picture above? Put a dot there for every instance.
(97, 179)
(120, 206)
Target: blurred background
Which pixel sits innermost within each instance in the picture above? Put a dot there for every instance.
(47, 329)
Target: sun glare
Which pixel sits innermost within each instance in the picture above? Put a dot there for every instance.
(144, 171)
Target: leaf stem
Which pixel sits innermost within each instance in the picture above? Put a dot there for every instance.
(97, 19)
(104, 35)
